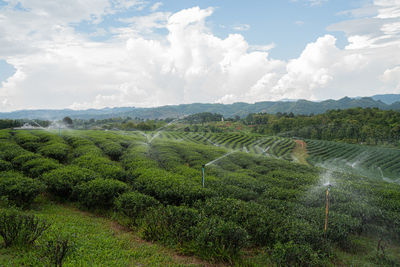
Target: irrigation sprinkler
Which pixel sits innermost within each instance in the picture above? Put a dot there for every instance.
(327, 208)
(202, 168)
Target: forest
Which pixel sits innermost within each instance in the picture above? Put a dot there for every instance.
(357, 125)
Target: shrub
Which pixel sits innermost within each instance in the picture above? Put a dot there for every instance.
(18, 189)
(36, 167)
(5, 165)
(113, 150)
(168, 187)
(134, 204)
(21, 159)
(291, 254)
(9, 150)
(58, 151)
(99, 192)
(57, 249)
(171, 225)
(87, 149)
(62, 181)
(18, 228)
(258, 220)
(219, 239)
(102, 165)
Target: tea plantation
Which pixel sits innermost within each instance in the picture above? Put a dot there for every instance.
(257, 207)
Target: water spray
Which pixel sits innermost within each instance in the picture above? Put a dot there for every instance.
(327, 208)
(213, 161)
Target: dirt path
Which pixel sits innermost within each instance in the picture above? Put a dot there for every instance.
(299, 153)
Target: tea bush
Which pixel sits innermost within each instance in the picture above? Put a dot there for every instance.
(172, 225)
(168, 187)
(292, 254)
(219, 239)
(21, 159)
(36, 167)
(5, 165)
(10, 150)
(103, 166)
(134, 204)
(99, 193)
(18, 189)
(58, 151)
(112, 149)
(62, 181)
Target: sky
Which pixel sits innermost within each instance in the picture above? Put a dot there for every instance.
(107, 53)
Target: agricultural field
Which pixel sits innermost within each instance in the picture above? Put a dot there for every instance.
(372, 161)
(257, 207)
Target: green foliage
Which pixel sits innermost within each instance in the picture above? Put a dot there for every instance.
(203, 117)
(5, 165)
(168, 187)
(62, 181)
(172, 225)
(292, 254)
(103, 166)
(18, 189)
(258, 220)
(354, 125)
(58, 151)
(57, 249)
(134, 204)
(99, 193)
(21, 229)
(373, 162)
(10, 150)
(112, 149)
(219, 239)
(36, 167)
(21, 159)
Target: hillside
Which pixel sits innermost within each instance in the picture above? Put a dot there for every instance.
(253, 208)
(227, 110)
(387, 98)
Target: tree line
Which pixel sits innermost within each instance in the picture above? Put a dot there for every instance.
(356, 125)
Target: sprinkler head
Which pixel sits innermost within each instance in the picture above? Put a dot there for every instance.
(329, 187)
(203, 165)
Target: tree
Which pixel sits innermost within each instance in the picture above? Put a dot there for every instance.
(67, 121)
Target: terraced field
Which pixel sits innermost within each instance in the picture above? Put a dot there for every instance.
(152, 183)
(375, 162)
(272, 146)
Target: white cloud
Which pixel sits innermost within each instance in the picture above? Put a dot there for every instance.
(311, 2)
(392, 77)
(156, 6)
(241, 27)
(57, 67)
(299, 23)
(316, 2)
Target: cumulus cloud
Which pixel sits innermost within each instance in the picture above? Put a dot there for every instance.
(57, 66)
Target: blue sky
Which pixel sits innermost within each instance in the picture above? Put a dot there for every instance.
(289, 24)
(97, 53)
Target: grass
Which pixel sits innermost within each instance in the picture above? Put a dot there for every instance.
(365, 254)
(99, 242)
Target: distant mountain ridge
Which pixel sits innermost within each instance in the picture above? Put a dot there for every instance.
(227, 110)
(387, 98)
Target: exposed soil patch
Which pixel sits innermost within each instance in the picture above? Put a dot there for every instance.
(300, 152)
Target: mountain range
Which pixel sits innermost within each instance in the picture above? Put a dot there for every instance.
(385, 102)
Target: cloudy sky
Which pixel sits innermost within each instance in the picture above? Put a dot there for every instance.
(97, 53)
